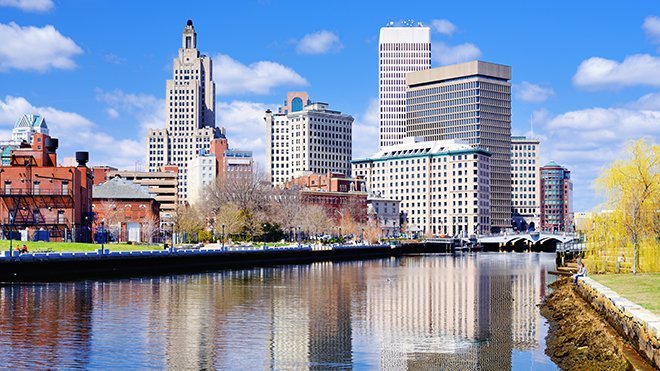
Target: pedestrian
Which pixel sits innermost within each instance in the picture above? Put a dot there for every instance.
(582, 272)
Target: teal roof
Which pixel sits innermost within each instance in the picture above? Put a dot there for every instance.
(31, 121)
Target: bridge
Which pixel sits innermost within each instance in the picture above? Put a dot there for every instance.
(532, 240)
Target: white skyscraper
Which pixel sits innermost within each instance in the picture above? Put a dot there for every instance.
(525, 183)
(190, 115)
(307, 137)
(400, 50)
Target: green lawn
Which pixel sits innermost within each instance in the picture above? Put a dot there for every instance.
(74, 246)
(642, 289)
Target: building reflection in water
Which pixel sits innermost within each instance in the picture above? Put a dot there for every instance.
(414, 312)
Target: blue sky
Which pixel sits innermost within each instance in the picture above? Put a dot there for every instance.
(585, 73)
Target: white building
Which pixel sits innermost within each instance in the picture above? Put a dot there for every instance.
(470, 102)
(386, 212)
(190, 116)
(443, 186)
(400, 50)
(201, 173)
(525, 182)
(27, 126)
(310, 138)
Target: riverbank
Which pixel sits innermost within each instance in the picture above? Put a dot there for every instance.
(579, 338)
(642, 289)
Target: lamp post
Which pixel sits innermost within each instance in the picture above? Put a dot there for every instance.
(299, 237)
(264, 236)
(341, 237)
(104, 235)
(11, 232)
(362, 236)
(223, 236)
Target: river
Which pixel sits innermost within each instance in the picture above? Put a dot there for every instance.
(476, 311)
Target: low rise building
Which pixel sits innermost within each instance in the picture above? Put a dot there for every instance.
(37, 195)
(443, 186)
(338, 194)
(127, 210)
(386, 213)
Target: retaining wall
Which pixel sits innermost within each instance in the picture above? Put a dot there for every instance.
(638, 325)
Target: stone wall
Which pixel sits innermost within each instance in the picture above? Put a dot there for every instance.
(638, 325)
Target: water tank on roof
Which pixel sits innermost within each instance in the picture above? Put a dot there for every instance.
(52, 144)
(82, 158)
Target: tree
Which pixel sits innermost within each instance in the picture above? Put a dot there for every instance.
(314, 219)
(231, 217)
(632, 187)
(111, 216)
(149, 228)
(188, 220)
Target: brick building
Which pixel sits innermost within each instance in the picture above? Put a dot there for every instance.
(127, 210)
(335, 192)
(39, 195)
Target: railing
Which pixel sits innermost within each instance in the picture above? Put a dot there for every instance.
(31, 220)
(35, 192)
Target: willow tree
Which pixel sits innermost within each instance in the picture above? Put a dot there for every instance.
(632, 219)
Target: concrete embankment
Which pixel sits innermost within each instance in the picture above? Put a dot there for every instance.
(67, 266)
(579, 337)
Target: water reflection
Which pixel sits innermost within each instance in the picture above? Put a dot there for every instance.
(421, 312)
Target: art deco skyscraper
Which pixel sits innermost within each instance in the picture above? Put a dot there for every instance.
(190, 115)
(400, 50)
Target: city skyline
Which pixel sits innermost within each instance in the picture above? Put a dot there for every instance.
(587, 84)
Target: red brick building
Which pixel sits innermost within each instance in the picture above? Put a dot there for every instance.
(127, 210)
(38, 195)
(335, 192)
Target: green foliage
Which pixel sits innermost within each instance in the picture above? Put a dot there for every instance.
(627, 231)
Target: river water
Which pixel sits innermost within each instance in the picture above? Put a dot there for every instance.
(432, 312)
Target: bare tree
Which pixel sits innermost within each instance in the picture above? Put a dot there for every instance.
(188, 219)
(111, 215)
(285, 208)
(149, 228)
(231, 217)
(314, 219)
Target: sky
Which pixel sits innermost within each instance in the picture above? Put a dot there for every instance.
(586, 76)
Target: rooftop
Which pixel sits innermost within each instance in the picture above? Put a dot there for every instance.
(467, 69)
(121, 189)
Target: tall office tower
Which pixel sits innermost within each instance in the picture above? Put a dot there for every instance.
(307, 137)
(190, 115)
(556, 198)
(400, 50)
(471, 102)
(525, 183)
(442, 185)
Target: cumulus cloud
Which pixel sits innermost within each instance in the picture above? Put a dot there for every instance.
(443, 26)
(245, 126)
(233, 77)
(651, 27)
(29, 5)
(450, 54)
(528, 92)
(638, 69)
(319, 43)
(76, 133)
(34, 48)
(586, 141)
(366, 131)
(649, 101)
(147, 110)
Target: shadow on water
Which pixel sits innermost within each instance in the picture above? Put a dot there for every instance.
(429, 311)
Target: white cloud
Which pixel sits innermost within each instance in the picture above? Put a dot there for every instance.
(638, 69)
(588, 140)
(33, 48)
(233, 77)
(245, 126)
(319, 43)
(448, 54)
(29, 5)
(76, 133)
(528, 92)
(649, 101)
(366, 131)
(651, 27)
(443, 26)
(147, 110)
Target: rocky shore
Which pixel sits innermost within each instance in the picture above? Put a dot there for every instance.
(580, 339)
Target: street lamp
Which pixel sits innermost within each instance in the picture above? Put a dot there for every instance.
(223, 236)
(341, 237)
(11, 230)
(264, 236)
(299, 237)
(362, 236)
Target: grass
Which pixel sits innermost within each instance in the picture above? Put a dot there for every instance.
(642, 289)
(74, 246)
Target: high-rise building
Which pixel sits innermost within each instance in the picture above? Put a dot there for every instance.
(400, 50)
(190, 115)
(471, 102)
(525, 183)
(556, 198)
(27, 126)
(307, 137)
(443, 186)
